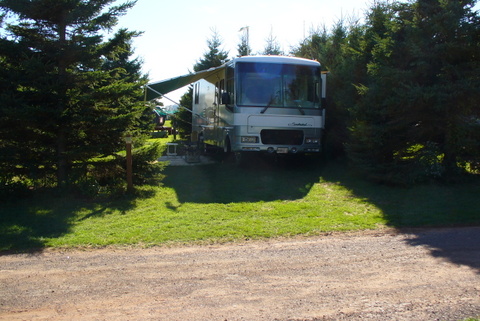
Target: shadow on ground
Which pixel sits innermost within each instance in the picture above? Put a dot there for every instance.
(457, 245)
(26, 223)
(263, 179)
(427, 206)
(443, 218)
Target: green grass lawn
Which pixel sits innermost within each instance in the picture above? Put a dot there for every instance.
(220, 202)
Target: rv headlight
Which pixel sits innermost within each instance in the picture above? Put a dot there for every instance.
(249, 139)
(312, 140)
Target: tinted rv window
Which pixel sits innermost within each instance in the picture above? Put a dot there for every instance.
(278, 85)
(196, 93)
(230, 86)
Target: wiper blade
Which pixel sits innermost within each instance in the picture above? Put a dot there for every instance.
(268, 105)
(297, 102)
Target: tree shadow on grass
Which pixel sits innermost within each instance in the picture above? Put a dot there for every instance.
(432, 215)
(443, 218)
(263, 179)
(26, 224)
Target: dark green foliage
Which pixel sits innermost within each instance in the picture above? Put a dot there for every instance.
(272, 46)
(107, 176)
(422, 88)
(68, 96)
(405, 85)
(377, 129)
(214, 57)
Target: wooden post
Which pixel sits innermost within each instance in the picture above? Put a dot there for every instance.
(128, 144)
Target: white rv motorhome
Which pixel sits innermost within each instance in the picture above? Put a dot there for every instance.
(259, 104)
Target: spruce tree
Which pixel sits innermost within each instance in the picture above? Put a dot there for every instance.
(376, 128)
(444, 41)
(416, 118)
(272, 46)
(214, 56)
(405, 84)
(67, 94)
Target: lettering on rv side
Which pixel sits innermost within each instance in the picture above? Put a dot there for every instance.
(300, 125)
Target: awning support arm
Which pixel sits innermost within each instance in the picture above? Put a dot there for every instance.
(173, 101)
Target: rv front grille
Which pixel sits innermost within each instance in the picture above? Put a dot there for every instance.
(281, 137)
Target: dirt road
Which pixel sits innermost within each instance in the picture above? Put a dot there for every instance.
(386, 275)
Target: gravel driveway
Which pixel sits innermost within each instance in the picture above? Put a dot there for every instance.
(427, 274)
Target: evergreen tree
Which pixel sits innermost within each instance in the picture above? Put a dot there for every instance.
(214, 56)
(443, 42)
(67, 95)
(405, 84)
(272, 46)
(417, 113)
(376, 128)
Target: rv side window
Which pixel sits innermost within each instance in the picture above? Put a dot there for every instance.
(222, 94)
(196, 93)
(230, 86)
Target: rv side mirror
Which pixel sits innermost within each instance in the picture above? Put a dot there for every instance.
(225, 98)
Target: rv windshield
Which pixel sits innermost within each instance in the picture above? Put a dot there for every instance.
(278, 85)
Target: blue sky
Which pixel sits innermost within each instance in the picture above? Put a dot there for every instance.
(176, 31)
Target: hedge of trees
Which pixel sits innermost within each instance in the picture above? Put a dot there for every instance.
(404, 90)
